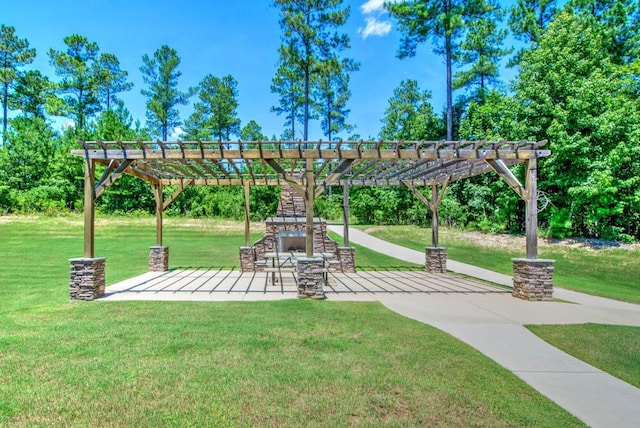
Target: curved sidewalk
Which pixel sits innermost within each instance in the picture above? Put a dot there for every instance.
(494, 325)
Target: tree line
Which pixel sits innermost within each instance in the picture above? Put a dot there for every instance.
(576, 84)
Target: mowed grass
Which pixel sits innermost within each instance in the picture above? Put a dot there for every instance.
(607, 272)
(287, 363)
(612, 348)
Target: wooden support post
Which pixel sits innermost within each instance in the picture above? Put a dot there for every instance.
(159, 197)
(434, 215)
(345, 214)
(247, 237)
(89, 209)
(532, 208)
(309, 199)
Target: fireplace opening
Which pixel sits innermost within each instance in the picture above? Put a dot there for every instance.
(292, 242)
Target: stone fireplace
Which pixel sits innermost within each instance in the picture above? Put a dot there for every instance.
(295, 242)
(286, 232)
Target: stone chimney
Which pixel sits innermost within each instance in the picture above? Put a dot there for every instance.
(291, 203)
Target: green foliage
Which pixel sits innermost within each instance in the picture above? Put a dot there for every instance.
(528, 19)
(384, 205)
(28, 153)
(288, 83)
(410, 116)
(482, 51)
(77, 89)
(32, 94)
(111, 79)
(329, 205)
(161, 74)
(585, 105)
(215, 116)
(252, 132)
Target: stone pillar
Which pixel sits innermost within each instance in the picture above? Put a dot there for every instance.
(87, 278)
(158, 259)
(310, 278)
(435, 259)
(347, 258)
(247, 259)
(532, 279)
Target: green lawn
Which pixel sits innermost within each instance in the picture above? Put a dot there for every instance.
(288, 363)
(610, 272)
(614, 349)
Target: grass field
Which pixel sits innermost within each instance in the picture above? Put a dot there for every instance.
(612, 348)
(606, 272)
(288, 363)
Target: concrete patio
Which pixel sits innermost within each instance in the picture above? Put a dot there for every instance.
(211, 284)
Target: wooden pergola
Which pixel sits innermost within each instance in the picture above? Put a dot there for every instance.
(309, 167)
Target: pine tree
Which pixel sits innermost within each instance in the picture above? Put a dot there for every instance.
(309, 33)
(14, 53)
(215, 113)
(161, 74)
(410, 115)
(528, 19)
(31, 94)
(77, 89)
(289, 84)
(445, 22)
(482, 51)
(332, 94)
(111, 79)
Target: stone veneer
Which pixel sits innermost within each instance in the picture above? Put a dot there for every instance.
(532, 279)
(158, 259)
(248, 260)
(269, 242)
(436, 259)
(347, 258)
(310, 278)
(87, 278)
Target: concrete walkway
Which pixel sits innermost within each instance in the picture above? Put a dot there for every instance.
(494, 325)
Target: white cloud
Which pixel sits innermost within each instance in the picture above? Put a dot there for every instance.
(177, 132)
(371, 6)
(374, 27)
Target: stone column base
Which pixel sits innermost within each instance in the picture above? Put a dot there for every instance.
(87, 278)
(532, 279)
(310, 276)
(347, 258)
(158, 259)
(435, 259)
(247, 259)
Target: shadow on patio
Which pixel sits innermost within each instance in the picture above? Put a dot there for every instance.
(207, 283)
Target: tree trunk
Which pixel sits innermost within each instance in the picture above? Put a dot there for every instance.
(448, 48)
(5, 109)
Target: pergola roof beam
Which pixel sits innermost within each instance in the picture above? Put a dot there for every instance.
(385, 163)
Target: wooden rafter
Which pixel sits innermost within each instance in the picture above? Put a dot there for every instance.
(183, 185)
(505, 173)
(422, 163)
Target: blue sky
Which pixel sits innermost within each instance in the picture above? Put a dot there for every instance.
(223, 37)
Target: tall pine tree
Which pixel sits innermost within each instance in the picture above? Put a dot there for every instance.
(14, 53)
(310, 33)
(161, 74)
(77, 89)
(443, 21)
